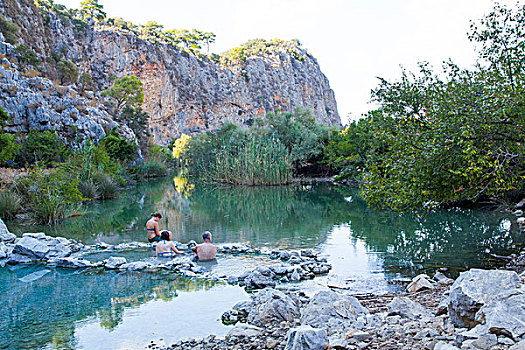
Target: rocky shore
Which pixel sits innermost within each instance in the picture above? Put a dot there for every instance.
(481, 309)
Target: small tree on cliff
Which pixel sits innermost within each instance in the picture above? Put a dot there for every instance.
(91, 8)
(126, 91)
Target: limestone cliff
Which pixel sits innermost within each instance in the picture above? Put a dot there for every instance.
(183, 93)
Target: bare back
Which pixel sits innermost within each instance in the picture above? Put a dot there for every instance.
(206, 251)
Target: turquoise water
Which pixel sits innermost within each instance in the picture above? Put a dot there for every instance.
(61, 309)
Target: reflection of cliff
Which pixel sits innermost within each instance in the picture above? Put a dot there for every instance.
(70, 297)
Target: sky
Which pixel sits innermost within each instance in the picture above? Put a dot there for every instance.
(354, 41)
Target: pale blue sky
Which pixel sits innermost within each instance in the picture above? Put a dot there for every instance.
(354, 41)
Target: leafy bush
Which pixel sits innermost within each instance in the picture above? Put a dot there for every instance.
(44, 147)
(10, 204)
(118, 147)
(86, 81)
(353, 150)
(9, 148)
(67, 71)
(26, 55)
(50, 193)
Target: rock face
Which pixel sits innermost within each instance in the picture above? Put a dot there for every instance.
(474, 289)
(183, 93)
(36, 103)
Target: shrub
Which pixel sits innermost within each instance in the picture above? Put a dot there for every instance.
(107, 188)
(26, 55)
(86, 81)
(44, 147)
(118, 147)
(8, 148)
(149, 169)
(67, 71)
(51, 194)
(89, 189)
(9, 30)
(10, 204)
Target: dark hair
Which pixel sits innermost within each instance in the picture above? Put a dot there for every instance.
(165, 235)
(206, 235)
(156, 215)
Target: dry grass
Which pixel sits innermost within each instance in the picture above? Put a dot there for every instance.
(8, 176)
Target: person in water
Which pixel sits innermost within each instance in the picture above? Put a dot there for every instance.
(205, 251)
(165, 247)
(152, 227)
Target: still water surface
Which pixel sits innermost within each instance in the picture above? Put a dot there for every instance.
(61, 309)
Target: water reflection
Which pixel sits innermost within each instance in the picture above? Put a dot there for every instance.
(44, 310)
(298, 216)
(67, 309)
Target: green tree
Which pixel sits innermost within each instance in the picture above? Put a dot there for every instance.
(459, 135)
(352, 150)
(118, 147)
(67, 71)
(136, 119)
(26, 55)
(91, 8)
(9, 148)
(126, 91)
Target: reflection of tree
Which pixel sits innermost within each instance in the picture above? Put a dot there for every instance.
(48, 308)
(287, 215)
(456, 238)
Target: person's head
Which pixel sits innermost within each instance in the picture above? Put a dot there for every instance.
(206, 236)
(165, 235)
(156, 216)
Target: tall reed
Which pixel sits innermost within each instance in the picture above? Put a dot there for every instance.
(257, 161)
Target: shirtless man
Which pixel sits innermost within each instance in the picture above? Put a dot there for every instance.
(205, 251)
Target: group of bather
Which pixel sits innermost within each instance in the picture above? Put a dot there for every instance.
(165, 247)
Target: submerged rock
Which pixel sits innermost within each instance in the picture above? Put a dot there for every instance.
(70, 263)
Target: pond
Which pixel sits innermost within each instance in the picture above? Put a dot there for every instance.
(47, 308)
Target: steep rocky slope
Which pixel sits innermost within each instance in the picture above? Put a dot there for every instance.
(183, 93)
